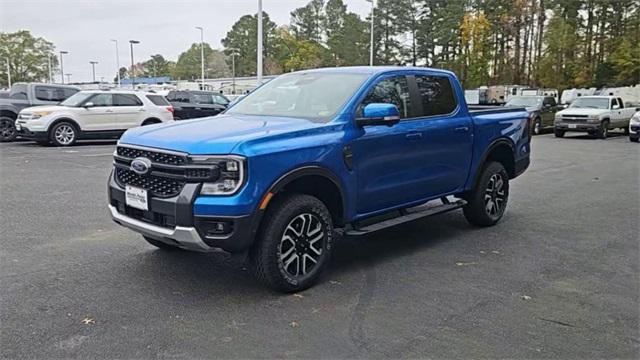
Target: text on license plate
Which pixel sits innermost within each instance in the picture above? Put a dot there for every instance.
(137, 198)
(572, 126)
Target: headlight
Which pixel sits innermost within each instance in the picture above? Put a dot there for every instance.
(232, 170)
(39, 114)
(635, 119)
(593, 119)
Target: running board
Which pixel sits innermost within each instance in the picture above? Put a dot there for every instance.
(407, 215)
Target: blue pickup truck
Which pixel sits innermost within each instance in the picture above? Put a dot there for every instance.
(313, 155)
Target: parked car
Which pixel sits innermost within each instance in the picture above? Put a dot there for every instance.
(634, 127)
(99, 114)
(315, 151)
(23, 95)
(541, 109)
(595, 115)
(196, 104)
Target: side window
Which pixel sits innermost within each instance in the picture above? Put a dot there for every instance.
(171, 96)
(182, 97)
(614, 102)
(218, 99)
(102, 100)
(394, 90)
(126, 100)
(621, 103)
(69, 92)
(436, 94)
(203, 98)
(49, 93)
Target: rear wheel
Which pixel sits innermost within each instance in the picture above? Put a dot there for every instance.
(488, 201)
(63, 134)
(7, 129)
(633, 139)
(603, 131)
(161, 245)
(294, 244)
(558, 133)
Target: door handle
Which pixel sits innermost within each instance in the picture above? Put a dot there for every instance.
(109, 111)
(461, 129)
(141, 110)
(413, 136)
(197, 108)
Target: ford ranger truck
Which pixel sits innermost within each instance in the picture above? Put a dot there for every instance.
(314, 154)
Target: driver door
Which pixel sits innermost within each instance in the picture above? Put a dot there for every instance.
(98, 117)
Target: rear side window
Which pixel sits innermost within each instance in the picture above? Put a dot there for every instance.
(126, 100)
(394, 90)
(203, 98)
(49, 93)
(69, 92)
(158, 100)
(102, 100)
(182, 97)
(219, 99)
(436, 94)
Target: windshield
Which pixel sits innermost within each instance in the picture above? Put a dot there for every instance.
(590, 103)
(312, 95)
(527, 101)
(76, 99)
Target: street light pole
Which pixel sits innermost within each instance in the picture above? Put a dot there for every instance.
(93, 69)
(132, 76)
(259, 62)
(371, 46)
(61, 66)
(201, 55)
(234, 52)
(117, 60)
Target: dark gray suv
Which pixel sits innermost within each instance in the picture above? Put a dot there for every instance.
(542, 110)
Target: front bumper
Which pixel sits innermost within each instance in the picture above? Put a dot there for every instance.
(579, 127)
(634, 131)
(25, 133)
(171, 220)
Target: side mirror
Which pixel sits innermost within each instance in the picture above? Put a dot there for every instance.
(88, 105)
(379, 114)
(615, 107)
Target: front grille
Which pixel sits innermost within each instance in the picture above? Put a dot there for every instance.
(156, 185)
(575, 118)
(155, 156)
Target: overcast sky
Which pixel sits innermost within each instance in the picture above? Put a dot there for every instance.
(163, 27)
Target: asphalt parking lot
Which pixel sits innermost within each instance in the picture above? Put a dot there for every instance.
(557, 278)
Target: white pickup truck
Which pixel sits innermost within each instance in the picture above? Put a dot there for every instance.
(595, 115)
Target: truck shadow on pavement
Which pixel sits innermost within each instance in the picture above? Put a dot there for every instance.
(200, 274)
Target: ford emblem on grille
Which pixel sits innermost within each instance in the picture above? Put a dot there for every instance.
(141, 165)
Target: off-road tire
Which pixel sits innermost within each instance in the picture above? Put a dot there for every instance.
(265, 255)
(477, 210)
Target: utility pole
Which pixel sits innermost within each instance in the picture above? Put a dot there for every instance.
(68, 78)
(93, 69)
(201, 56)
(61, 66)
(117, 60)
(259, 62)
(132, 75)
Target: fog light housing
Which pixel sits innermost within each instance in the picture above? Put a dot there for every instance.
(213, 228)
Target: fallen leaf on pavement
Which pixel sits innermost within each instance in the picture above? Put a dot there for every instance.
(88, 321)
(294, 324)
(526, 297)
(465, 263)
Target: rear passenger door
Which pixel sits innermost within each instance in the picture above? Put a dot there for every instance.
(130, 111)
(444, 150)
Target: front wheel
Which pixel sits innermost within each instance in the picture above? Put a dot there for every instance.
(488, 200)
(558, 133)
(633, 139)
(63, 134)
(7, 129)
(603, 131)
(294, 243)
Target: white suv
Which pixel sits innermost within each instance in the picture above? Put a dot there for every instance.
(92, 115)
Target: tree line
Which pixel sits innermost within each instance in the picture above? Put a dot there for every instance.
(548, 43)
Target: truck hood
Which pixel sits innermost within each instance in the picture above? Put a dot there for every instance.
(583, 111)
(212, 135)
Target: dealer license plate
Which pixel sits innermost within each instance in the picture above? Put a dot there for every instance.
(137, 198)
